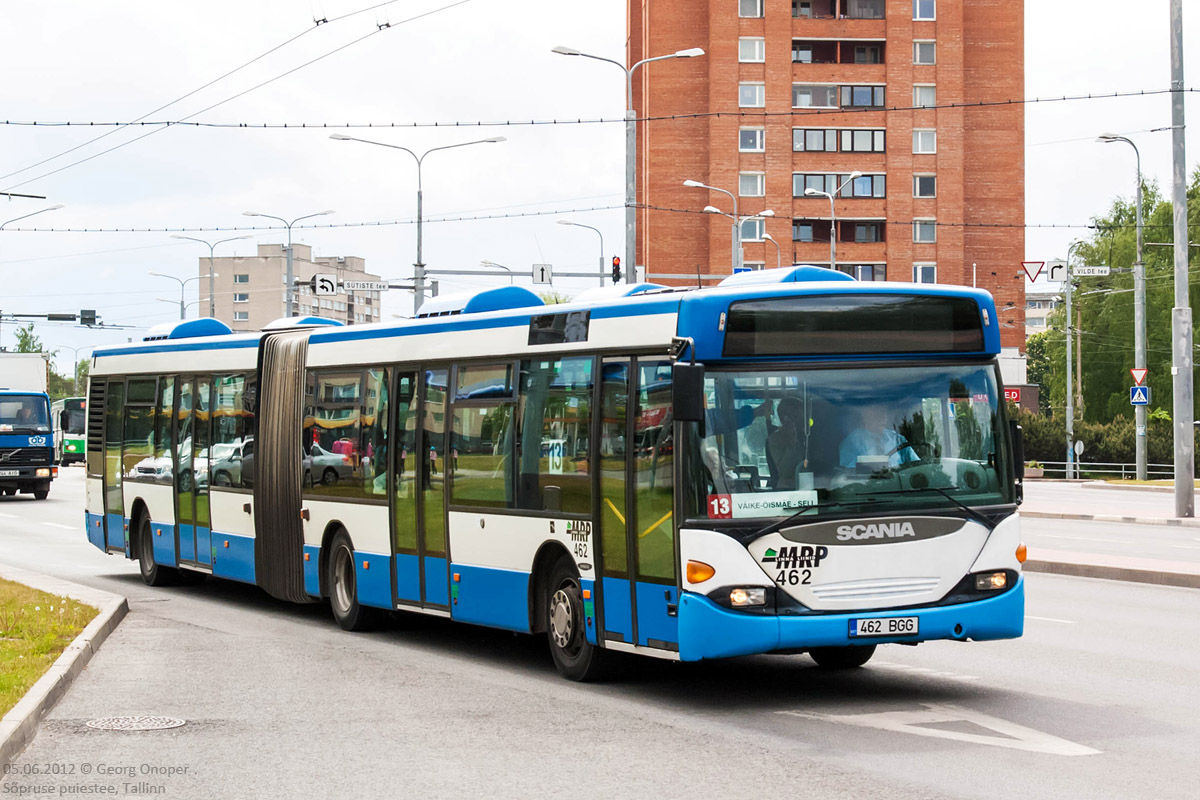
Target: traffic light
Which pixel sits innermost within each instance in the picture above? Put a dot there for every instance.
(87, 316)
(616, 272)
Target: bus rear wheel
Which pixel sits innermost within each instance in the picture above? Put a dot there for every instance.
(574, 657)
(842, 657)
(153, 573)
(342, 584)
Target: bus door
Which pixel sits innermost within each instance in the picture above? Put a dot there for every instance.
(191, 471)
(114, 502)
(639, 585)
(418, 498)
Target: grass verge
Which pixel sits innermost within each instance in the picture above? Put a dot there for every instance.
(35, 628)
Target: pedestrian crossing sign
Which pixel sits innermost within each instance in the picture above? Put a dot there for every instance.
(1139, 395)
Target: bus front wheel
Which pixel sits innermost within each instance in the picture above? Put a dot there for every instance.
(574, 657)
(842, 657)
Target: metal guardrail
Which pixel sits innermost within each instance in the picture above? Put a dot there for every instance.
(1085, 469)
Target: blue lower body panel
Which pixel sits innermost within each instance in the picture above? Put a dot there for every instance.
(487, 596)
(437, 582)
(408, 578)
(162, 537)
(312, 570)
(114, 525)
(373, 579)
(204, 545)
(187, 543)
(618, 614)
(234, 557)
(707, 630)
(95, 529)
(655, 624)
(589, 608)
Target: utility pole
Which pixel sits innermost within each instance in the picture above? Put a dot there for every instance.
(1079, 361)
(1181, 314)
(1070, 381)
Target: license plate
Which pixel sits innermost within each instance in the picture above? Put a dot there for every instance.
(883, 626)
(9, 473)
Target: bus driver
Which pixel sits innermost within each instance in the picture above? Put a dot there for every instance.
(874, 440)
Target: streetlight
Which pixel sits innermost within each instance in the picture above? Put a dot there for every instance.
(811, 192)
(75, 360)
(494, 265)
(212, 308)
(778, 254)
(601, 235)
(737, 233)
(630, 147)
(289, 288)
(35, 213)
(182, 283)
(1139, 309)
(419, 267)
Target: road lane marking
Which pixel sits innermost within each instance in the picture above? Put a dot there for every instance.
(925, 671)
(60, 525)
(1003, 733)
(1187, 546)
(7, 516)
(1052, 619)
(1084, 538)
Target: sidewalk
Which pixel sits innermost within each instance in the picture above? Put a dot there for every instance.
(19, 725)
(1117, 568)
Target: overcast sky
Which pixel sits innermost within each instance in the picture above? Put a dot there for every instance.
(462, 61)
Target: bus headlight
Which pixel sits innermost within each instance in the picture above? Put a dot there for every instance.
(747, 597)
(71, 448)
(991, 581)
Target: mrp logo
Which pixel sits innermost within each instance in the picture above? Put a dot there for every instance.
(37, 441)
(876, 530)
(802, 557)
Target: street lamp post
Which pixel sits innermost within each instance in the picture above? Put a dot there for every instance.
(289, 289)
(183, 282)
(737, 231)
(1139, 309)
(1072, 467)
(598, 233)
(494, 265)
(212, 307)
(737, 228)
(630, 147)
(32, 214)
(419, 267)
(811, 192)
(778, 253)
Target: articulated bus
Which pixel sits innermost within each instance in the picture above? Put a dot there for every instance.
(791, 461)
(70, 415)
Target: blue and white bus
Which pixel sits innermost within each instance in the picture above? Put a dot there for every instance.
(792, 461)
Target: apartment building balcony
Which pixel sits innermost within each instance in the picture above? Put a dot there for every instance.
(825, 51)
(836, 18)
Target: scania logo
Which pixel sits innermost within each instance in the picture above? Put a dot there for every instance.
(880, 530)
(37, 441)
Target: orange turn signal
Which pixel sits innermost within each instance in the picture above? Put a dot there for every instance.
(699, 572)
(587, 594)
(1021, 553)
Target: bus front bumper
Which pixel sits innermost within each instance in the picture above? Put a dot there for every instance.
(707, 630)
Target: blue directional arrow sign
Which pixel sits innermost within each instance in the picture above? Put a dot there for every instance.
(1139, 395)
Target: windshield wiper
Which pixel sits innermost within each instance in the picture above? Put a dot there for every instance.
(774, 526)
(972, 513)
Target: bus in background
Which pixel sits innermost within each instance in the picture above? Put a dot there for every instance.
(71, 415)
(790, 462)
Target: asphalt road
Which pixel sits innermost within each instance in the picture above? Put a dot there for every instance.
(1099, 699)
(1060, 497)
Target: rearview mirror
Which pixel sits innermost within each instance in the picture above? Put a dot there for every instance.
(687, 392)
(1018, 446)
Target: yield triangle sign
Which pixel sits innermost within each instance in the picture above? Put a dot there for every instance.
(1139, 375)
(1032, 269)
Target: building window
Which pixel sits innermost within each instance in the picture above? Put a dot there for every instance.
(818, 183)
(241, 316)
(924, 186)
(862, 141)
(752, 184)
(924, 231)
(865, 186)
(924, 96)
(814, 140)
(809, 96)
(924, 141)
(868, 54)
(802, 231)
(754, 266)
(752, 230)
(924, 273)
(241, 297)
(862, 96)
(922, 9)
(864, 9)
(924, 53)
(752, 95)
(241, 278)
(751, 49)
(865, 272)
(752, 140)
(750, 8)
(867, 232)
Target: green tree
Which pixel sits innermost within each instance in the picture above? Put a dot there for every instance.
(1038, 367)
(27, 340)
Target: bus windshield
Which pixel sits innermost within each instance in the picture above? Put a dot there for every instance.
(24, 414)
(878, 439)
(76, 418)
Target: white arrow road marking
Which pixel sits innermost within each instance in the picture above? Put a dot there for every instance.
(1051, 619)
(60, 525)
(1007, 734)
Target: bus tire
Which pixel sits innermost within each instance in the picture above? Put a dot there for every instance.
(574, 657)
(153, 573)
(842, 657)
(349, 614)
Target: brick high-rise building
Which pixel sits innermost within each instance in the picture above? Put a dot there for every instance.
(794, 95)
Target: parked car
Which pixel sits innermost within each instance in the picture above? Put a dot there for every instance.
(324, 467)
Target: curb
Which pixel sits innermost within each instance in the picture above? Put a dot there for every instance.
(19, 725)
(1170, 521)
(1113, 573)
